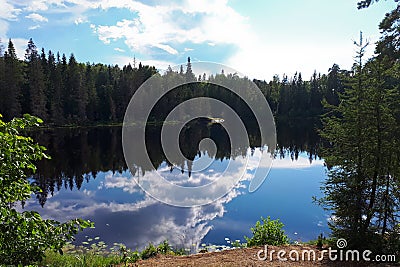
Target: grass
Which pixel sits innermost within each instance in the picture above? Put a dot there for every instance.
(80, 259)
(96, 253)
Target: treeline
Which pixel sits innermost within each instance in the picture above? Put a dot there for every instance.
(295, 97)
(63, 91)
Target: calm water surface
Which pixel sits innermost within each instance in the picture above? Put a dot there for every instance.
(87, 177)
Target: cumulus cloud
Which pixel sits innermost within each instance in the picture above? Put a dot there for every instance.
(167, 26)
(8, 11)
(180, 226)
(36, 17)
(41, 5)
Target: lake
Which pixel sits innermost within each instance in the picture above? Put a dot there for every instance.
(87, 177)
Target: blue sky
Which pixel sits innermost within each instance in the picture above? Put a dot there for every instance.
(257, 38)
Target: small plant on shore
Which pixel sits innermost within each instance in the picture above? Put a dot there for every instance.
(237, 244)
(180, 252)
(267, 232)
(148, 252)
(320, 241)
(164, 247)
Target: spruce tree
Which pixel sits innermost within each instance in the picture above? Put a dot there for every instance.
(13, 78)
(55, 88)
(362, 185)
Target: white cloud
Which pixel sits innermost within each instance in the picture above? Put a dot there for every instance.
(42, 5)
(36, 17)
(34, 27)
(3, 30)
(80, 20)
(127, 184)
(169, 25)
(167, 48)
(8, 11)
(258, 58)
(119, 49)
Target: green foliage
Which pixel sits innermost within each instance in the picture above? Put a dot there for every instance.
(96, 253)
(320, 241)
(79, 260)
(25, 236)
(362, 155)
(237, 244)
(164, 247)
(180, 252)
(267, 232)
(148, 252)
(133, 256)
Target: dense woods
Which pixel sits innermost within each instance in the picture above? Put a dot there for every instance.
(63, 91)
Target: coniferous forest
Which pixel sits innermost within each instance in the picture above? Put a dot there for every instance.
(62, 91)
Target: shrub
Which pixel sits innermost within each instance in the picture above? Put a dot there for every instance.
(148, 252)
(134, 256)
(269, 232)
(164, 247)
(25, 236)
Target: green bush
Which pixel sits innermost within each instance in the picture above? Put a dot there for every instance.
(25, 236)
(148, 252)
(180, 252)
(269, 232)
(164, 247)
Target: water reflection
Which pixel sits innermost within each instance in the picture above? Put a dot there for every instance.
(87, 177)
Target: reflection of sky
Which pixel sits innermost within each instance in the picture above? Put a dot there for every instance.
(124, 213)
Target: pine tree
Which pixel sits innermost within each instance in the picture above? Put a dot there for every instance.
(315, 95)
(77, 99)
(363, 174)
(92, 106)
(190, 77)
(55, 88)
(13, 78)
(35, 82)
